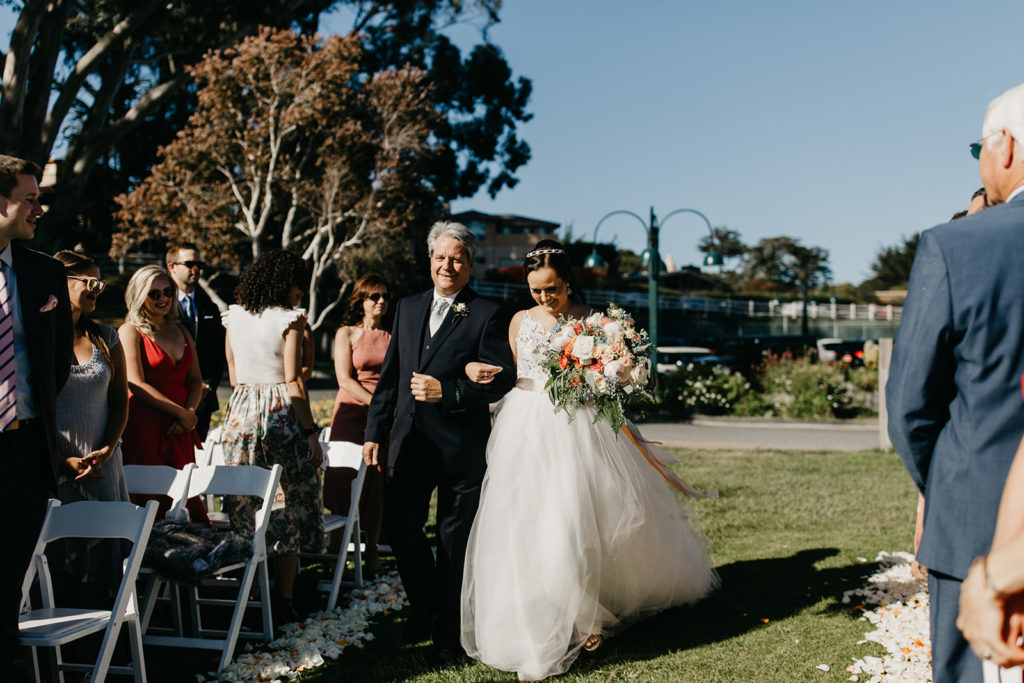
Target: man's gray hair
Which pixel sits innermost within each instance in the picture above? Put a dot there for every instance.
(1005, 111)
(457, 231)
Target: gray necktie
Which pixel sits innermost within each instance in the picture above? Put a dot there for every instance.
(437, 315)
(190, 314)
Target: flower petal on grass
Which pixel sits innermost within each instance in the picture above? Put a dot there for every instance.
(900, 618)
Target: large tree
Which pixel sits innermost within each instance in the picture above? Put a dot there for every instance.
(291, 147)
(783, 264)
(102, 83)
(891, 267)
(95, 71)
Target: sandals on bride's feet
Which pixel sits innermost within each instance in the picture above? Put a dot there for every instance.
(593, 642)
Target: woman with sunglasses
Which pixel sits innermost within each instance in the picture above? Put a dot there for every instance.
(92, 409)
(359, 348)
(164, 380)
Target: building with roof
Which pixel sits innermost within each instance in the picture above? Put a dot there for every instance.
(505, 239)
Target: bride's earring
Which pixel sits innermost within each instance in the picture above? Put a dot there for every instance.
(568, 290)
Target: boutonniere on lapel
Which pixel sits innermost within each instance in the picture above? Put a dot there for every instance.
(461, 309)
(50, 304)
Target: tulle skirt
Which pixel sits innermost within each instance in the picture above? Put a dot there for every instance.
(576, 534)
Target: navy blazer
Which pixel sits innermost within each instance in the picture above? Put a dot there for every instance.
(209, 339)
(451, 435)
(956, 414)
(49, 333)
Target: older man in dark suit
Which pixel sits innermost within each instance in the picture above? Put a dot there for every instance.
(202, 317)
(955, 409)
(438, 422)
(35, 359)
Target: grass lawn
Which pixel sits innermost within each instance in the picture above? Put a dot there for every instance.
(786, 532)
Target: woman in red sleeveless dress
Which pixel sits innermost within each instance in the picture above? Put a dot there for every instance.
(165, 384)
(359, 348)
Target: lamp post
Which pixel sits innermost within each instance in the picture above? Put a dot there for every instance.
(653, 263)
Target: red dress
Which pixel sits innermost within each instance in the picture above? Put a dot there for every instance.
(146, 440)
(349, 424)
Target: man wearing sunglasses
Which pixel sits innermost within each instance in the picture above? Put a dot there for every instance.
(202, 317)
(35, 359)
(953, 396)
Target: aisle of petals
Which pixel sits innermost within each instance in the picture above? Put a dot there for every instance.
(900, 618)
(324, 635)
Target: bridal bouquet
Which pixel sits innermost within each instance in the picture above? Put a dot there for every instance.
(601, 360)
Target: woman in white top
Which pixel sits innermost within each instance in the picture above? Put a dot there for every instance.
(268, 419)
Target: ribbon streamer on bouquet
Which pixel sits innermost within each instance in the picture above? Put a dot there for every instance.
(657, 458)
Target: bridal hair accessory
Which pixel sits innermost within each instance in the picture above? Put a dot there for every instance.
(541, 252)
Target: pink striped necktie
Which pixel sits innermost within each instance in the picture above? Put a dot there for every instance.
(8, 392)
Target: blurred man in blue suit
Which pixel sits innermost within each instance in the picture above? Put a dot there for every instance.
(954, 395)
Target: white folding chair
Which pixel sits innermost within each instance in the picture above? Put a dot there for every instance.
(228, 481)
(348, 455)
(52, 626)
(160, 480)
(212, 453)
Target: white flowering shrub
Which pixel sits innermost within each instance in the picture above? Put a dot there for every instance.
(801, 390)
(707, 390)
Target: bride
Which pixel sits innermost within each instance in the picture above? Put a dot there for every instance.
(576, 533)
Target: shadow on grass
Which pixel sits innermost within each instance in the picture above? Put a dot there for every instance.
(753, 594)
(751, 591)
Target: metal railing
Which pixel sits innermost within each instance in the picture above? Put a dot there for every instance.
(744, 308)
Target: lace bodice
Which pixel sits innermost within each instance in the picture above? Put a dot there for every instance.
(531, 347)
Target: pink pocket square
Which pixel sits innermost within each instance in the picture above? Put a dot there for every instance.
(50, 304)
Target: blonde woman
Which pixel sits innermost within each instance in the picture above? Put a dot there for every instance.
(163, 377)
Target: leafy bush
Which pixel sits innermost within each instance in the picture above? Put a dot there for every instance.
(798, 389)
(708, 390)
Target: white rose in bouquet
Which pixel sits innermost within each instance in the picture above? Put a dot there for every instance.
(614, 330)
(583, 349)
(594, 319)
(563, 337)
(616, 370)
(640, 373)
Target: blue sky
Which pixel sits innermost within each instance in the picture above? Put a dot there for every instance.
(845, 125)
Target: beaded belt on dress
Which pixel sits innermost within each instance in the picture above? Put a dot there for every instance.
(529, 384)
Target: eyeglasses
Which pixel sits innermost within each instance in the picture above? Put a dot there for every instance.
(976, 146)
(157, 294)
(91, 284)
(190, 264)
(379, 296)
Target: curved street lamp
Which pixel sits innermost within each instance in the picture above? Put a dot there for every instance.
(652, 229)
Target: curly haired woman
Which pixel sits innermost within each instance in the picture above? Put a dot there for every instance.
(268, 419)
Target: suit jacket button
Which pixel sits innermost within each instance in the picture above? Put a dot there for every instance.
(428, 347)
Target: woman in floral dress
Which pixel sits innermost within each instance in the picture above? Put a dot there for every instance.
(268, 420)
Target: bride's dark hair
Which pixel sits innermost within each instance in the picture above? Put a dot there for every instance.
(551, 254)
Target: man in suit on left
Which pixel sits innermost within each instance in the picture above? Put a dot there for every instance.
(202, 317)
(35, 359)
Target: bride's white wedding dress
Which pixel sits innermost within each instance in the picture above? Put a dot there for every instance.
(576, 533)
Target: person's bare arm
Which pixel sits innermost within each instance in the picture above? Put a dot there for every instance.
(229, 356)
(297, 390)
(343, 365)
